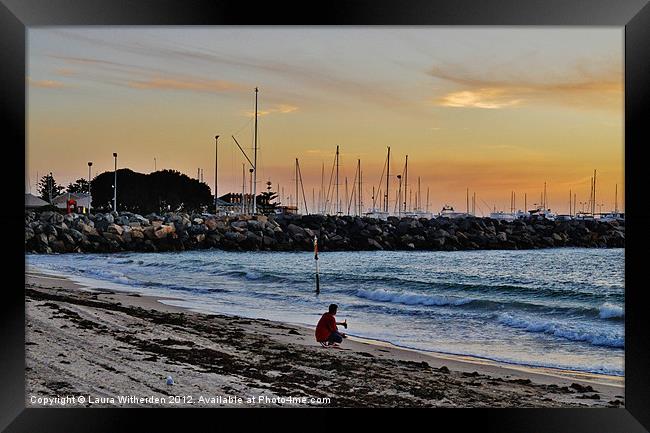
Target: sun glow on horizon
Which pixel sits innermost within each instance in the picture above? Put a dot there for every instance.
(489, 110)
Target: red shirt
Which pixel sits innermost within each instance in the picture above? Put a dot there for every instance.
(326, 325)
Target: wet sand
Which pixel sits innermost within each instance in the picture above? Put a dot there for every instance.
(104, 345)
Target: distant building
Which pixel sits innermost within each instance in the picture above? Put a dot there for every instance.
(287, 210)
(79, 202)
(231, 203)
(33, 202)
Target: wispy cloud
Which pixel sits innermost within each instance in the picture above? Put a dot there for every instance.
(65, 72)
(185, 83)
(46, 84)
(279, 108)
(491, 98)
(580, 86)
(330, 84)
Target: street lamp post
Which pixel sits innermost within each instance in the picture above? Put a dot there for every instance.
(90, 164)
(115, 184)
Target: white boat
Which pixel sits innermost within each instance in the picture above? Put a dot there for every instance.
(522, 215)
(448, 212)
(377, 214)
(613, 216)
(419, 214)
(542, 213)
(503, 216)
(583, 216)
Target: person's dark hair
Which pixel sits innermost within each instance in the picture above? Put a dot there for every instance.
(333, 308)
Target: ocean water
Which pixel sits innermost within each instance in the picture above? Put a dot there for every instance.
(559, 308)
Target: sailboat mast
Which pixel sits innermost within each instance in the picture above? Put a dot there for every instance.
(360, 190)
(406, 182)
(427, 199)
(575, 198)
(346, 195)
(387, 177)
(593, 212)
(243, 188)
(591, 195)
(296, 172)
(254, 190)
(616, 199)
(338, 205)
(302, 188)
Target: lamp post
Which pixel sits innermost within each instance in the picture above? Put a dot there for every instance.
(115, 183)
(216, 168)
(90, 164)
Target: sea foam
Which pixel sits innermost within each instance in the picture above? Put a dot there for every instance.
(561, 330)
(410, 298)
(609, 311)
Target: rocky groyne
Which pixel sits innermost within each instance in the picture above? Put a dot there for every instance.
(52, 232)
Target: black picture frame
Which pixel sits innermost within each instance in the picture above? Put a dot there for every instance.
(634, 15)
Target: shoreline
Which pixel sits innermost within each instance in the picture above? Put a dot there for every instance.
(396, 372)
(595, 376)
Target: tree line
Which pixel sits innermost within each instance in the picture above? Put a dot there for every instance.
(160, 191)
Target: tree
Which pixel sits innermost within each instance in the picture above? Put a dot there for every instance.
(48, 188)
(264, 204)
(145, 193)
(79, 186)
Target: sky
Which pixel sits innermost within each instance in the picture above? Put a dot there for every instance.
(489, 109)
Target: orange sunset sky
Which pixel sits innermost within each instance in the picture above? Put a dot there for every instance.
(494, 110)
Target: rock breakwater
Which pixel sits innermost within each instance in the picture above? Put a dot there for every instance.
(52, 232)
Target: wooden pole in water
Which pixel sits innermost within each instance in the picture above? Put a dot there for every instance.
(316, 260)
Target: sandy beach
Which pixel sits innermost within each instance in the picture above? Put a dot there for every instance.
(117, 349)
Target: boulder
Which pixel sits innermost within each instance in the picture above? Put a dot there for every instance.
(164, 230)
(112, 237)
(116, 229)
(235, 236)
(295, 230)
(211, 224)
(374, 245)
